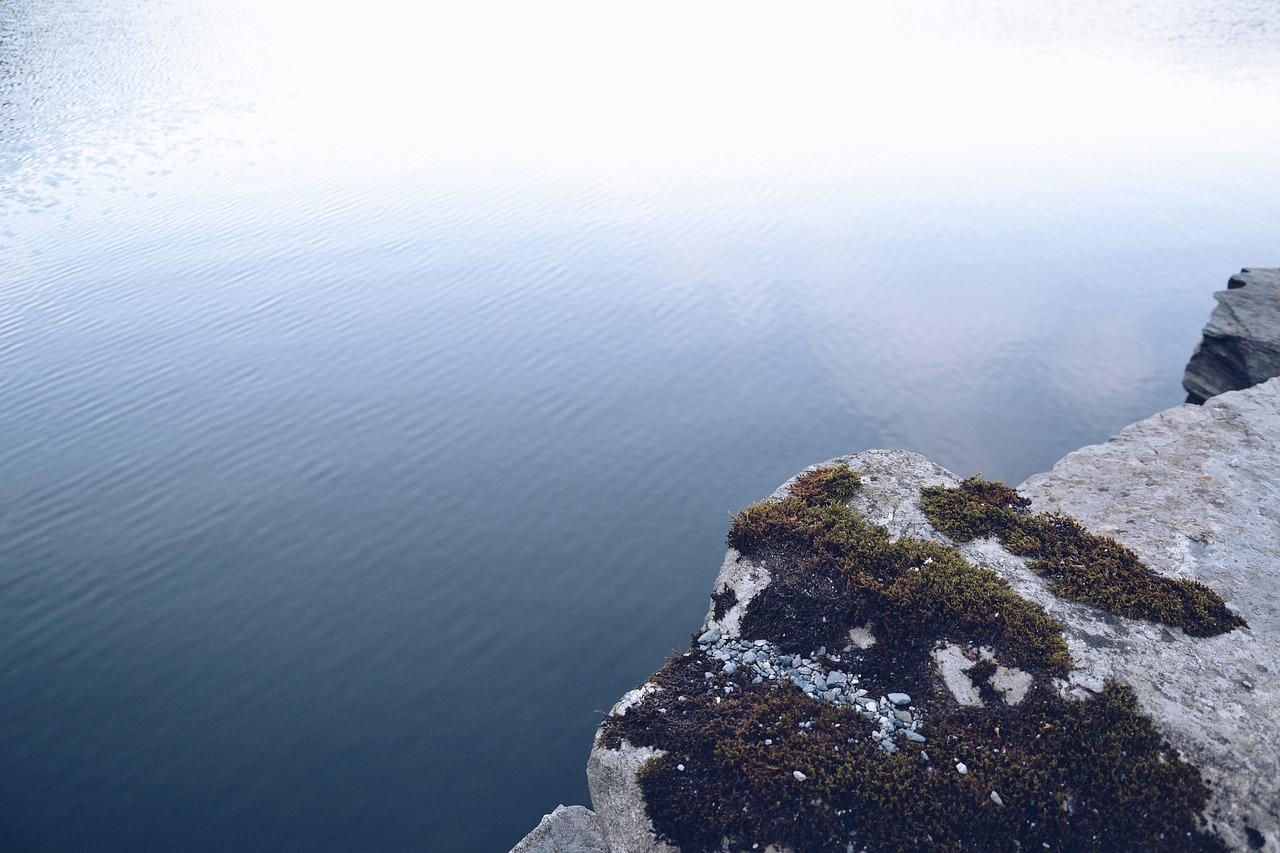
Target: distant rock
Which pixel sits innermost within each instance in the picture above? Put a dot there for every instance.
(1241, 343)
(568, 829)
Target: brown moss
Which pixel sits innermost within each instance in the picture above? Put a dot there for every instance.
(1080, 565)
(1071, 775)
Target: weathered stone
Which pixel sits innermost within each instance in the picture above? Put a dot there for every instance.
(1193, 491)
(568, 829)
(616, 797)
(1241, 343)
(1146, 487)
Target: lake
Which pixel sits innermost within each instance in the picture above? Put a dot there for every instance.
(376, 385)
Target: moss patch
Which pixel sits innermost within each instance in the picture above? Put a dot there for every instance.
(746, 764)
(1071, 775)
(1080, 565)
(832, 570)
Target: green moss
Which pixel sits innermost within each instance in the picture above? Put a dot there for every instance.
(832, 570)
(1080, 565)
(1070, 775)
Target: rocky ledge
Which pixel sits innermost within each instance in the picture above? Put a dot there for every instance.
(1241, 343)
(897, 659)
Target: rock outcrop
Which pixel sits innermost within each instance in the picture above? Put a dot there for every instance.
(1241, 343)
(568, 829)
(1189, 490)
(913, 681)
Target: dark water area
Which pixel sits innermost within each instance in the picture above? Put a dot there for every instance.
(375, 391)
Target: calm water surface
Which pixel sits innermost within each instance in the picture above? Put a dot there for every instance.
(375, 384)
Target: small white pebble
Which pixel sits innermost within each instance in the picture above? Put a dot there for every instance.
(800, 777)
(680, 767)
(960, 768)
(995, 798)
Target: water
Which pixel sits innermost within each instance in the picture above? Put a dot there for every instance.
(375, 390)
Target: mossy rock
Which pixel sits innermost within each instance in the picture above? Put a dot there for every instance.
(743, 765)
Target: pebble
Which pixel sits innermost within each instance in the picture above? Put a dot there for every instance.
(763, 663)
(680, 767)
(961, 769)
(800, 777)
(995, 798)
(1231, 608)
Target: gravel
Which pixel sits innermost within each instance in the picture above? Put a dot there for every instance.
(890, 717)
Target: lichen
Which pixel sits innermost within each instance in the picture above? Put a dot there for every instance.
(1079, 565)
(743, 765)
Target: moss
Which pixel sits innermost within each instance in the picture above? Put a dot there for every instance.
(1080, 565)
(722, 601)
(1070, 775)
(832, 570)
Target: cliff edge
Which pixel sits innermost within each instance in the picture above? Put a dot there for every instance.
(894, 658)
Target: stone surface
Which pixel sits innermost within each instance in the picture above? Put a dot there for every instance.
(1191, 491)
(616, 797)
(1194, 491)
(568, 829)
(1241, 343)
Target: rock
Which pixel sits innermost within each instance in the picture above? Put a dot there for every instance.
(710, 636)
(619, 805)
(961, 768)
(800, 777)
(1166, 487)
(1241, 343)
(899, 699)
(1146, 487)
(995, 798)
(568, 829)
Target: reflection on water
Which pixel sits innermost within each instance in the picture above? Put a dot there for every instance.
(375, 390)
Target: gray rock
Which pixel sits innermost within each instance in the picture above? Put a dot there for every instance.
(618, 803)
(568, 829)
(1241, 343)
(899, 699)
(709, 636)
(1167, 488)
(1193, 491)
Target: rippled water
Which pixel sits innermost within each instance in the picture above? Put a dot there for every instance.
(374, 390)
